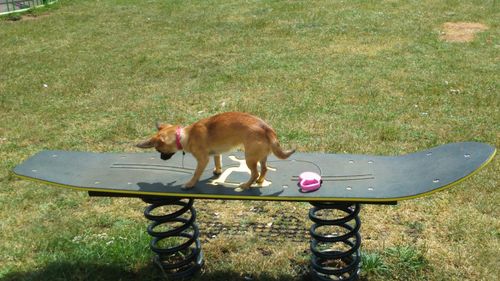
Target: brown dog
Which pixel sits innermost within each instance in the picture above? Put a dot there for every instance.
(218, 134)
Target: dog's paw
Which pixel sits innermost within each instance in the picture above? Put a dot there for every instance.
(217, 172)
(244, 186)
(189, 185)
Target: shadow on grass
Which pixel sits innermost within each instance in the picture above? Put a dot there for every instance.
(83, 271)
(92, 271)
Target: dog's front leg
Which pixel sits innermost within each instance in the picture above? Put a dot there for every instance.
(200, 167)
(218, 164)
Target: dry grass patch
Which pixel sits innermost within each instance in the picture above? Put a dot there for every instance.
(461, 31)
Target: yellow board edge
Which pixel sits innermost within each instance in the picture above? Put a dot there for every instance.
(264, 198)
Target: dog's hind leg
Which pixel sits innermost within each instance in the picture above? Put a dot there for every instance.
(254, 173)
(263, 170)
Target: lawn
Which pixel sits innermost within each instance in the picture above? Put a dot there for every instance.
(374, 77)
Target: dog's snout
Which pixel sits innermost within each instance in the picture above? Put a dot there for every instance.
(166, 156)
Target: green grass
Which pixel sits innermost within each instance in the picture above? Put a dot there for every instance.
(396, 263)
(340, 76)
(407, 263)
(373, 265)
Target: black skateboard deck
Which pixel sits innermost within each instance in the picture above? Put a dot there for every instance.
(353, 178)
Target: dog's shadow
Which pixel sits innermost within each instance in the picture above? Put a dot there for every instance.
(206, 187)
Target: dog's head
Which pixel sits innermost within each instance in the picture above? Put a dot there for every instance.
(163, 141)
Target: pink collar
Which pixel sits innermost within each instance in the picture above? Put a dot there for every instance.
(178, 138)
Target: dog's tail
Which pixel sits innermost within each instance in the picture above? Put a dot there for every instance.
(276, 148)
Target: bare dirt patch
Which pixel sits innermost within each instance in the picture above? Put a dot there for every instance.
(461, 31)
(25, 17)
(34, 16)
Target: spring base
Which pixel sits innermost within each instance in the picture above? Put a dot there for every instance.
(335, 241)
(175, 236)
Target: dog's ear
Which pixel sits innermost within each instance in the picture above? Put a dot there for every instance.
(147, 143)
(158, 125)
(161, 126)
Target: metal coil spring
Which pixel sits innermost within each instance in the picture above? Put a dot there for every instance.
(183, 259)
(335, 256)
